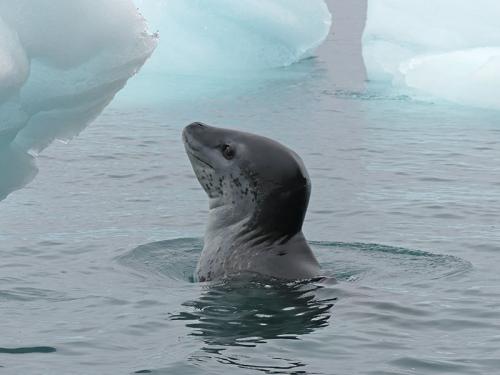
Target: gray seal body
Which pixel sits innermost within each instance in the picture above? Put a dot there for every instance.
(258, 194)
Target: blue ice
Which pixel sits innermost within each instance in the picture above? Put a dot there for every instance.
(61, 63)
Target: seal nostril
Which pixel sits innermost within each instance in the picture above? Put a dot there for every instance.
(198, 124)
(194, 128)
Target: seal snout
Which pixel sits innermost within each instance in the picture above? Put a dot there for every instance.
(193, 136)
(192, 132)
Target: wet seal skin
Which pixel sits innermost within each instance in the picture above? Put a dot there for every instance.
(258, 194)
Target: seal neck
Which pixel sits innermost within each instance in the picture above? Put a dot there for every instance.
(225, 225)
(275, 219)
(281, 213)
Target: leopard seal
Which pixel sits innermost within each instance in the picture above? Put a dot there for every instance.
(258, 194)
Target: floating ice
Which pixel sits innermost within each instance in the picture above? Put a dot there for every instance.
(217, 36)
(444, 48)
(61, 63)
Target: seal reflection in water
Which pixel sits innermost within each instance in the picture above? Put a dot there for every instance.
(258, 194)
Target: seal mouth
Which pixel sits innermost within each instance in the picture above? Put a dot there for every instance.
(191, 153)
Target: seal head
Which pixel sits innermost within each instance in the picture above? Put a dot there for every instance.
(258, 194)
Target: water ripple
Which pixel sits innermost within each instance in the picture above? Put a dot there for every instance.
(373, 263)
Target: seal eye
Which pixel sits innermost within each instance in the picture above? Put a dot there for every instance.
(228, 152)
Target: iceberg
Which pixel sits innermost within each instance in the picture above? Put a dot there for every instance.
(219, 36)
(438, 48)
(61, 63)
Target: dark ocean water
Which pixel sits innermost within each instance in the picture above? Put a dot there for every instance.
(97, 252)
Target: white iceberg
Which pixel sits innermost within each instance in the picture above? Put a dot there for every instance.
(61, 63)
(444, 48)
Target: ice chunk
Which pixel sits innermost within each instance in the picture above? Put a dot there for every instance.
(210, 37)
(470, 77)
(440, 47)
(61, 62)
